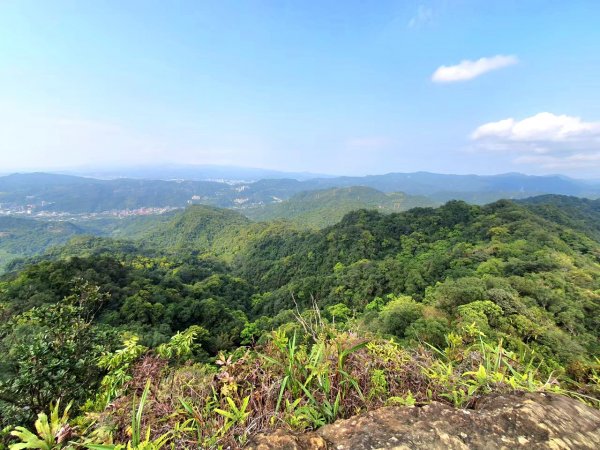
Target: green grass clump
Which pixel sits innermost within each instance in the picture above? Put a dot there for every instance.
(294, 380)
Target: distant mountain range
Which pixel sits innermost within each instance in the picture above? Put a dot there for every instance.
(472, 188)
(73, 194)
(191, 172)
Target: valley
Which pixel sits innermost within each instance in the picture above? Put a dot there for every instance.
(330, 269)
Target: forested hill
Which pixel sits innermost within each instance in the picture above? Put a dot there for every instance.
(458, 249)
(325, 207)
(477, 299)
(21, 238)
(472, 188)
(25, 237)
(465, 248)
(579, 213)
(198, 228)
(61, 193)
(200, 224)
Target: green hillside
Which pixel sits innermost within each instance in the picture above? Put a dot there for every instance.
(21, 238)
(225, 328)
(60, 193)
(446, 257)
(325, 207)
(48, 192)
(198, 227)
(579, 213)
(125, 227)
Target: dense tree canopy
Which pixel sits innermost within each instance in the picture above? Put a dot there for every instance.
(528, 274)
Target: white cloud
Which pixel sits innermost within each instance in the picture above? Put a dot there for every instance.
(546, 140)
(580, 161)
(467, 70)
(543, 129)
(423, 17)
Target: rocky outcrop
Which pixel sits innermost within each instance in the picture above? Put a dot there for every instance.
(532, 421)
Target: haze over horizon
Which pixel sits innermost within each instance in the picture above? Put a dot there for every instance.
(442, 86)
(235, 173)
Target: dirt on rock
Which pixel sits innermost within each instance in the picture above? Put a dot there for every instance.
(528, 420)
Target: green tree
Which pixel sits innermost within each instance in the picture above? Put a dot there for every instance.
(399, 314)
(49, 354)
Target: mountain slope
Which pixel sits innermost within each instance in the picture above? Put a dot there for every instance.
(24, 237)
(578, 213)
(449, 256)
(198, 227)
(325, 207)
(472, 188)
(44, 192)
(508, 297)
(193, 172)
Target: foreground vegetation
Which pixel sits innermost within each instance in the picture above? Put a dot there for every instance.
(300, 378)
(214, 328)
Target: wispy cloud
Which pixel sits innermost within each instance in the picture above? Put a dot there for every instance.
(467, 69)
(567, 163)
(545, 139)
(368, 143)
(63, 142)
(423, 16)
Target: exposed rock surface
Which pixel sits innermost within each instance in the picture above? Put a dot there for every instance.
(533, 421)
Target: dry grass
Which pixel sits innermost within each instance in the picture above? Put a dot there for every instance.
(298, 385)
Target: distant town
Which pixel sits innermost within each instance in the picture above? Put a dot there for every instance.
(34, 212)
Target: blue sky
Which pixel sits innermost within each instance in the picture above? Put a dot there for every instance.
(335, 87)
